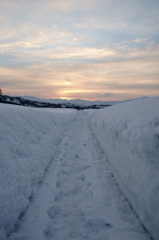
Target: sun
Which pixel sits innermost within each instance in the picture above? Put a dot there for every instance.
(67, 83)
(64, 98)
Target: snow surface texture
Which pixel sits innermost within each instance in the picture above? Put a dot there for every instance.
(78, 198)
(79, 190)
(28, 141)
(128, 134)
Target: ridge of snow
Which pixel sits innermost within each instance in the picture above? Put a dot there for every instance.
(28, 142)
(128, 134)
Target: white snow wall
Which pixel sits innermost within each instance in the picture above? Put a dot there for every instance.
(28, 141)
(128, 134)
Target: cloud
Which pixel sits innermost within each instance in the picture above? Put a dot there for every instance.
(107, 95)
(100, 23)
(43, 45)
(72, 5)
(140, 40)
(73, 79)
(78, 49)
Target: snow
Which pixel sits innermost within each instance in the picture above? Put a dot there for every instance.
(79, 198)
(28, 142)
(57, 169)
(128, 134)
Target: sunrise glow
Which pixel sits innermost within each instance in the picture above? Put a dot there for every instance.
(103, 50)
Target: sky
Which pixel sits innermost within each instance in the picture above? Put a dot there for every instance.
(88, 49)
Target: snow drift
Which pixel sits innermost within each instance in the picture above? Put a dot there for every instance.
(28, 142)
(128, 134)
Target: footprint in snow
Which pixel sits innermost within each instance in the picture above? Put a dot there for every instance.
(58, 197)
(49, 231)
(83, 177)
(53, 211)
(88, 184)
(97, 225)
(62, 172)
(58, 183)
(67, 193)
(83, 168)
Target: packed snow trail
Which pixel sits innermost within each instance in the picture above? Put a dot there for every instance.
(79, 198)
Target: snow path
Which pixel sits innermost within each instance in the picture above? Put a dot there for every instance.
(79, 198)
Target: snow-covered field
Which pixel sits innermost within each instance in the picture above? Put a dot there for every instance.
(128, 134)
(77, 197)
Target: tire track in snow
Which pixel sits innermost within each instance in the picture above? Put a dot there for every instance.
(79, 198)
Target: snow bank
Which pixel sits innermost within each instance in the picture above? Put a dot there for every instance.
(28, 140)
(128, 134)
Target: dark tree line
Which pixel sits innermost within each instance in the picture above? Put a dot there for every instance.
(0, 92)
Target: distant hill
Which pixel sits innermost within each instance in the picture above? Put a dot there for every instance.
(79, 102)
(52, 103)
